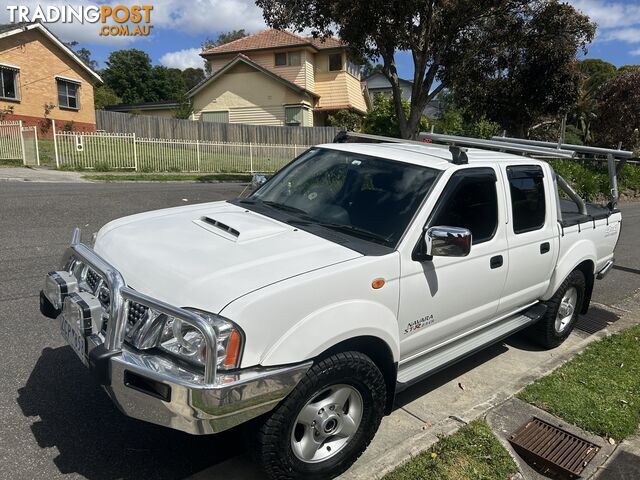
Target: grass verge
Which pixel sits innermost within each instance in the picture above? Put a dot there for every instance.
(141, 177)
(599, 390)
(11, 163)
(471, 452)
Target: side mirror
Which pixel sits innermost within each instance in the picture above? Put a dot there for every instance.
(447, 241)
(258, 180)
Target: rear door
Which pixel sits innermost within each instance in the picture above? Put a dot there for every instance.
(532, 234)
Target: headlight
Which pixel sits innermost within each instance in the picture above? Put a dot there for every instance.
(187, 343)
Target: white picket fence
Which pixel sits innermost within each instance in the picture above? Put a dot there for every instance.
(19, 143)
(11, 147)
(124, 151)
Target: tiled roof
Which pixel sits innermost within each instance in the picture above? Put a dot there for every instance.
(273, 38)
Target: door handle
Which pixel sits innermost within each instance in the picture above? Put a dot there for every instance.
(496, 262)
(544, 247)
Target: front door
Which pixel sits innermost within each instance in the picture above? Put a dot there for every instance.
(443, 298)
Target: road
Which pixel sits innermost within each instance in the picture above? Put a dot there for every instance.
(55, 422)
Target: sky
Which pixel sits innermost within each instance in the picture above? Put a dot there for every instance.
(180, 26)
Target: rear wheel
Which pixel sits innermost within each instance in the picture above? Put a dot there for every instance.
(326, 423)
(562, 312)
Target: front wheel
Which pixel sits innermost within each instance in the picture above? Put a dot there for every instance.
(326, 423)
(562, 312)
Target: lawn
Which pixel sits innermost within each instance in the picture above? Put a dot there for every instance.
(599, 390)
(168, 177)
(472, 452)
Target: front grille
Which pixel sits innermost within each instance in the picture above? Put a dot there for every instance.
(136, 313)
(92, 280)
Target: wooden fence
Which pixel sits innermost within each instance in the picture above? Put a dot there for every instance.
(171, 128)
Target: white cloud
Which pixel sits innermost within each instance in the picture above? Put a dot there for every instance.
(617, 20)
(635, 53)
(189, 57)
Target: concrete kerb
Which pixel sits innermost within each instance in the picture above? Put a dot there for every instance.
(405, 450)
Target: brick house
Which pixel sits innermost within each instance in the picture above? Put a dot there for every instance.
(276, 77)
(38, 72)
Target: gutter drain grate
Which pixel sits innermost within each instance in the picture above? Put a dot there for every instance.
(553, 448)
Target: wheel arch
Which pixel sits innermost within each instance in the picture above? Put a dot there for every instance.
(587, 267)
(379, 352)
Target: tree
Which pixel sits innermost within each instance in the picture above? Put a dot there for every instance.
(382, 118)
(367, 69)
(221, 40)
(104, 95)
(528, 71)
(130, 75)
(192, 76)
(346, 119)
(595, 72)
(445, 38)
(84, 54)
(166, 84)
(618, 110)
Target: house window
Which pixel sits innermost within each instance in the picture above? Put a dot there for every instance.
(294, 116)
(335, 62)
(68, 94)
(221, 116)
(281, 59)
(294, 58)
(8, 83)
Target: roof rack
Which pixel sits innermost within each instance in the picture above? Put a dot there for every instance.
(543, 153)
(458, 154)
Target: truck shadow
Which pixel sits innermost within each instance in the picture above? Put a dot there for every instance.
(98, 442)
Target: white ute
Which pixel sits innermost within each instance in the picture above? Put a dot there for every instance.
(355, 271)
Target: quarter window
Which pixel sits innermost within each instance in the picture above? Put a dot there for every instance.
(470, 201)
(526, 184)
(68, 94)
(8, 83)
(335, 62)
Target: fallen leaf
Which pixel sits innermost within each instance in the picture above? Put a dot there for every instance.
(612, 441)
(434, 455)
(623, 401)
(621, 365)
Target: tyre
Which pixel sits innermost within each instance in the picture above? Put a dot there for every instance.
(326, 422)
(562, 312)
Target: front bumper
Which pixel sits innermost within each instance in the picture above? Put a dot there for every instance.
(156, 388)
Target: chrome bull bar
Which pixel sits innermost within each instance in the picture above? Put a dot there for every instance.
(120, 295)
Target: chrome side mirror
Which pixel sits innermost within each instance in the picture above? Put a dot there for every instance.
(445, 241)
(258, 180)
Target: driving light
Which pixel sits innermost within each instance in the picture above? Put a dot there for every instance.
(187, 342)
(59, 285)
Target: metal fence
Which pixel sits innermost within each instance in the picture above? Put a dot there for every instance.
(148, 126)
(124, 151)
(11, 144)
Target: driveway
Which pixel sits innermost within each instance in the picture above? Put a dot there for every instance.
(57, 423)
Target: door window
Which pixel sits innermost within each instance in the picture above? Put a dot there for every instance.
(527, 197)
(470, 201)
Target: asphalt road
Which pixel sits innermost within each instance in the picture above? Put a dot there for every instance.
(55, 422)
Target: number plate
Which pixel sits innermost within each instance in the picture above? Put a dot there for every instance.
(74, 338)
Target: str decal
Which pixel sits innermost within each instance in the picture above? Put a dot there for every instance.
(418, 324)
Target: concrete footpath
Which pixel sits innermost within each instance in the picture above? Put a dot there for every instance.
(466, 391)
(23, 174)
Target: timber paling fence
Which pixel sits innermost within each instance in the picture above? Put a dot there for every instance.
(147, 126)
(126, 151)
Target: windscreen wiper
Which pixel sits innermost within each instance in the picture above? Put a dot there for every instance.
(350, 229)
(286, 208)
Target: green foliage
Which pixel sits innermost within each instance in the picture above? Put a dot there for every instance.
(595, 72)
(192, 76)
(185, 109)
(618, 111)
(68, 126)
(104, 95)
(382, 118)
(460, 121)
(346, 119)
(591, 180)
(5, 111)
(367, 69)
(599, 390)
(473, 452)
(102, 167)
(129, 74)
(166, 83)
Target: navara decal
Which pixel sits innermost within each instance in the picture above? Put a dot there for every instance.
(418, 324)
